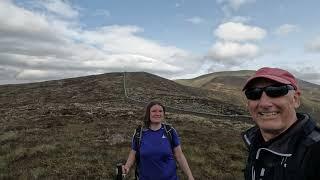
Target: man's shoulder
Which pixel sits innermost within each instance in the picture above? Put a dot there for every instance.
(249, 135)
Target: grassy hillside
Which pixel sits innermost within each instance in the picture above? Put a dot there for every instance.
(207, 78)
(81, 127)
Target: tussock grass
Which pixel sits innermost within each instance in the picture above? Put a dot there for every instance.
(213, 147)
(91, 148)
(8, 136)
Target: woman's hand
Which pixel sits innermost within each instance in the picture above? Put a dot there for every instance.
(125, 169)
(130, 161)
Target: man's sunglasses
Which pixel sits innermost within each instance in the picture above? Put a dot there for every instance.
(271, 91)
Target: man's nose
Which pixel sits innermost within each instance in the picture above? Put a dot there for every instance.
(265, 100)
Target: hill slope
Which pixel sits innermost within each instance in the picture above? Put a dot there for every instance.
(228, 85)
(81, 127)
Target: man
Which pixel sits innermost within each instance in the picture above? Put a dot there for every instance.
(284, 145)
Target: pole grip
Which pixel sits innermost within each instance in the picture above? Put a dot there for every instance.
(119, 172)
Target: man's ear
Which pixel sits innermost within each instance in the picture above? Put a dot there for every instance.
(296, 97)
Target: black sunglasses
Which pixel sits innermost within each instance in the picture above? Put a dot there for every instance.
(271, 91)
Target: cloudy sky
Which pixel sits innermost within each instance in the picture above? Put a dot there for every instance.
(55, 39)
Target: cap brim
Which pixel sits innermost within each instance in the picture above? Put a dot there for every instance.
(270, 77)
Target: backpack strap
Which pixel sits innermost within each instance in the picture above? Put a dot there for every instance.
(168, 130)
(138, 136)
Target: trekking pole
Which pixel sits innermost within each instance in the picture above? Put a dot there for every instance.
(119, 173)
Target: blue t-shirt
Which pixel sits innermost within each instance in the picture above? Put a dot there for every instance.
(156, 155)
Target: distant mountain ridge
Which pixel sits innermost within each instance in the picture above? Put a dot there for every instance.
(231, 83)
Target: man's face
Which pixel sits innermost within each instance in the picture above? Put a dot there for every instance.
(273, 115)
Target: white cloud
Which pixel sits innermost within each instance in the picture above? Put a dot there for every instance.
(231, 52)
(32, 74)
(233, 46)
(232, 31)
(136, 62)
(234, 4)
(7, 73)
(286, 29)
(240, 19)
(124, 39)
(36, 46)
(59, 7)
(195, 20)
(24, 24)
(313, 46)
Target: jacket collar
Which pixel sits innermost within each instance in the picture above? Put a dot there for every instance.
(303, 126)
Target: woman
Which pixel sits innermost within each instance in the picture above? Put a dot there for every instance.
(157, 152)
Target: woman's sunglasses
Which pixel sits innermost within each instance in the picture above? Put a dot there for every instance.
(271, 91)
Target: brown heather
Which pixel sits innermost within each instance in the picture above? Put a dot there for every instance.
(79, 128)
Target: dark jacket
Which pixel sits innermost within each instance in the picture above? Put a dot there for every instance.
(293, 155)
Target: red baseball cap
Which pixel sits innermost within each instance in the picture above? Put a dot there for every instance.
(275, 74)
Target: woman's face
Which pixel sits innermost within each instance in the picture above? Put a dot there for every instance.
(156, 114)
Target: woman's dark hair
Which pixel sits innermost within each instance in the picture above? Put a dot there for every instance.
(146, 119)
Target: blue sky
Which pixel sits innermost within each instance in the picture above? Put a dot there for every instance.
(54, 39)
